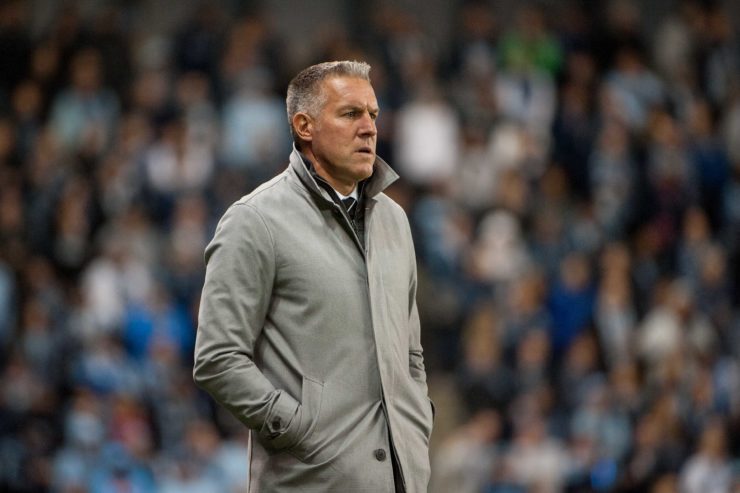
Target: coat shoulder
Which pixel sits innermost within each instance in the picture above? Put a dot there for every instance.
(267, 194)
(392, 208)
(387, 202)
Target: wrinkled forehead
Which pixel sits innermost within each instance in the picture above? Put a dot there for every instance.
(348, 91)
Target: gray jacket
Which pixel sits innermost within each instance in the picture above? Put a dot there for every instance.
(312, 340)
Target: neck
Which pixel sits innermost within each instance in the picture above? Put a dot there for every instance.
(343, 187)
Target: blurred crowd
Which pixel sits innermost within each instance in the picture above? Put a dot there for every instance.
(571, 171)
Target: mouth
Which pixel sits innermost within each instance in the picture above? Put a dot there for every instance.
(365, 150)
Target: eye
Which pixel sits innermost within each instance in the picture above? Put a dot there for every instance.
(373, 116)
(352, 114)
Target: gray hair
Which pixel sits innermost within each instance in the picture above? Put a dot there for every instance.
(304, 95)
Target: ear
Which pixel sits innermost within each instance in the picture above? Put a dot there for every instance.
(303, 126)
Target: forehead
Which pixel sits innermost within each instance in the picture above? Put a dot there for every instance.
(352, 91)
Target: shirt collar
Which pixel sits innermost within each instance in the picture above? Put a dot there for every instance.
(354, 194)
(382, 177)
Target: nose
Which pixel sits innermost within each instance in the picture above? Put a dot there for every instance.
(367, 126)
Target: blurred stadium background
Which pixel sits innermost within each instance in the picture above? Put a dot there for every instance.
(571, 170)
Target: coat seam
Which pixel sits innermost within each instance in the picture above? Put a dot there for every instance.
(269, 233)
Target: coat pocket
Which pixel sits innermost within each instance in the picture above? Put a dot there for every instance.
(302, 423)
(311, 398)
(424, 406)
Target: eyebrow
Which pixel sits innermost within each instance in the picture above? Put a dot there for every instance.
(350, 106)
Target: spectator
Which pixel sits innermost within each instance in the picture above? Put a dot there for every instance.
(465, 461)
(708, 470)
(427, 138)
(84, 114)
(253, 126)
(571, 301)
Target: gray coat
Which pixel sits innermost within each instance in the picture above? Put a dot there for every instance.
(312, 340)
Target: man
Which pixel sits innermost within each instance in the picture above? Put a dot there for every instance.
(308, 329)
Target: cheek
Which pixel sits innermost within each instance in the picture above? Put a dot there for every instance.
(332, 136)
(336, 139)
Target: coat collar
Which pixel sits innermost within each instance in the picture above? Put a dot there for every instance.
(383, 176)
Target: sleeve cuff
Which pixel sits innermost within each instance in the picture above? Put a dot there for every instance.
(279, 420)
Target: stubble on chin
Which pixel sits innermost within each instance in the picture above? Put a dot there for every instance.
(367, 169)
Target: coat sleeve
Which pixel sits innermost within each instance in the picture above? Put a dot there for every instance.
(416, 353)
(240, 271)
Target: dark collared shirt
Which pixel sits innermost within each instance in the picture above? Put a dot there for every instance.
(357, 215)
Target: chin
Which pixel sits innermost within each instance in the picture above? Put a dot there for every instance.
(362, 165)
(367, 169)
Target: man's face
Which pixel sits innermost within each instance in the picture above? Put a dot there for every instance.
(343, 136)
